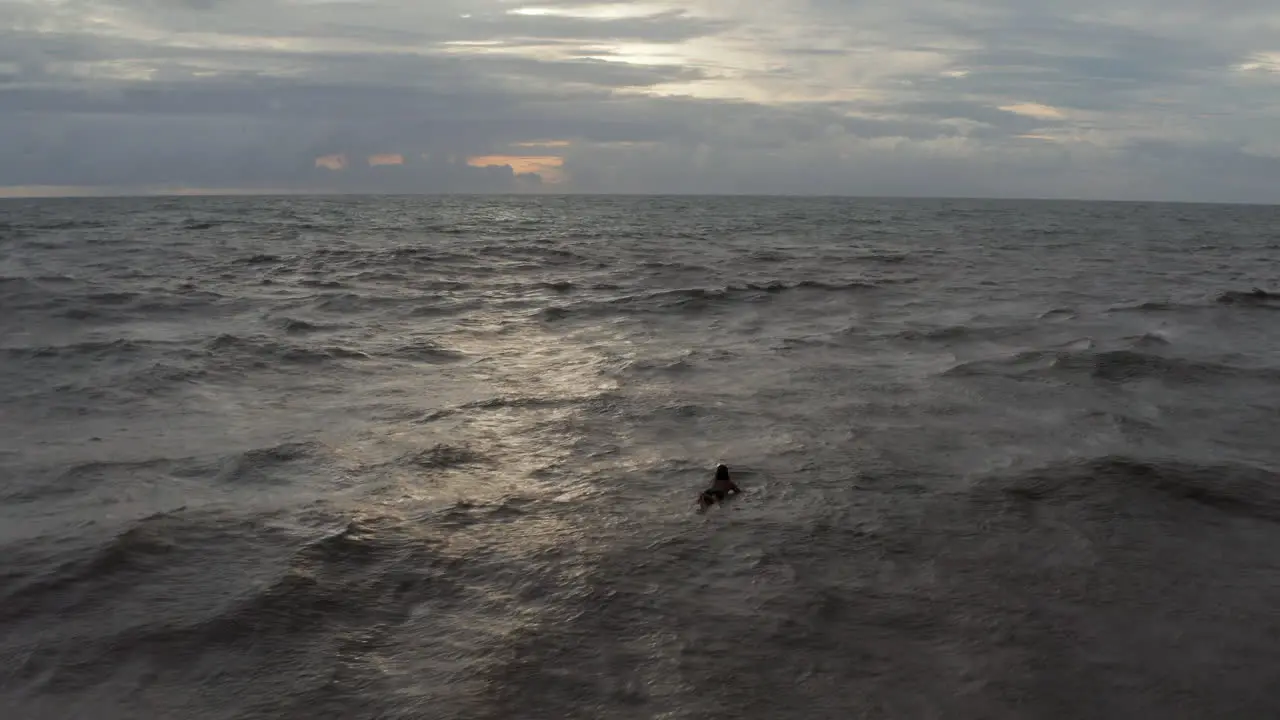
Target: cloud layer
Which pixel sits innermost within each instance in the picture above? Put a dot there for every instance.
(1126, 99)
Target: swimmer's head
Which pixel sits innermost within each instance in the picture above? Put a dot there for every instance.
(722, 472)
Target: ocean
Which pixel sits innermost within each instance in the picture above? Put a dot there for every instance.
(438, 457)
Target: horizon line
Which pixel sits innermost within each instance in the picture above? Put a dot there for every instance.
(88, 193)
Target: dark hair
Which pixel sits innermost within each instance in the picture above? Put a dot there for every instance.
(722, 472)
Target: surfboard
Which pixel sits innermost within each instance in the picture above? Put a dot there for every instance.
(700, 508)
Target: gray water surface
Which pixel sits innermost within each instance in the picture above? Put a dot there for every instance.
(438, 457)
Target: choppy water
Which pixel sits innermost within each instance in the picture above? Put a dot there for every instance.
(437, 458)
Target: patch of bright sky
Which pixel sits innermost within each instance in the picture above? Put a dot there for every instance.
(1261, 62)
(1035, 110)
(110, 70)
(614, 11)
(739, 69)
(754, 61)
(748, 63)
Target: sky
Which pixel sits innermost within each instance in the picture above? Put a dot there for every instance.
(1093, 99)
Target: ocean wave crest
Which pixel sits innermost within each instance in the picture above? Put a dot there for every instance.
(1130, 482)
(1114, 366)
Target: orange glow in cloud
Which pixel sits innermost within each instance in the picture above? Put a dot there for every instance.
(550, 167)
(1035, 110)
(332, 162)
(386, 159)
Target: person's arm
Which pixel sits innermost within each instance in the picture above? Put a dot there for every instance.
(733, 487)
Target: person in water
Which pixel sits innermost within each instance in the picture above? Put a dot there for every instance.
(720, 488)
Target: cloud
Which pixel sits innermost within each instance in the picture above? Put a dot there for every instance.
(1124, 98)
(547, 168)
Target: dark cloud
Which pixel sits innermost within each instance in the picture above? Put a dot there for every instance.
(1087, 65)
(999, 122)
(1129, 98)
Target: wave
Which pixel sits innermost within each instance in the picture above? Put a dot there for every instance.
(442, 456)
(264, 348)
(144, 546)
(521, 402)
(887, 258)
(113, 304)
(7, 281)
(1113, 366)
(841, 286)
(34, 293)
(697, 298)
(113, 385)
(360, 538)
(65, 225)
(260, 259)
(543, 255)
(83, 477)
(357, 579)
(1130, 425)
(157, 375)
(1253, 298)
(1125, 365)
(441, 286)
(426, 351)
(360, 577)
(184, 303)
(1234, 489)
(78, 304)
(294, 326)
(798, 343)
(560, 286)
(418, 257)
(953, 333)
(347, 303)
(112, 298)
(452, 307)
(320, 355)
(261, 464)
(80, 313)
(26, 288)
(686, 361)
(601, 402)
(382, 276)
(769, 256)
(1154, 306)
(1057, 314)
(75, 580)
(676, 266)
(940, 334)
(659, 366)
(1149, 340)
(91, 350)
(467, 514)
(554, 314)
(254, 464)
